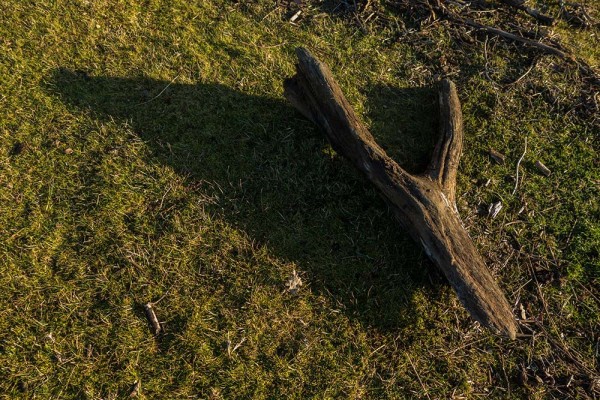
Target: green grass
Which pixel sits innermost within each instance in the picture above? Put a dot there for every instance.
(147, 155)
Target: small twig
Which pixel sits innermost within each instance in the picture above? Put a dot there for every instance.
(451, 352)
(560, 345)
(588, 291)
(237, 346)
(231, 350)
(497, 156)
(512, 36)
(418, 376)
(518, 165)
(151, 315)
(578, 14)
(533, 64)
(161, 92)
(571, 232)
(228, 345)
(504, 373)
(485, 54)
(135, 389)
(542, 168)
(295, 16)
(544, 19)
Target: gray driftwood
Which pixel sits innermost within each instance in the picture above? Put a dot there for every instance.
(424, 204)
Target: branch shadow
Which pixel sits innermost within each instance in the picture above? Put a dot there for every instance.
(279, 182)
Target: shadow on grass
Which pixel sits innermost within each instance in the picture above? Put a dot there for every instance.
(279, 183)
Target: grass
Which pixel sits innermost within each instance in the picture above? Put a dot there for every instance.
(148, 156)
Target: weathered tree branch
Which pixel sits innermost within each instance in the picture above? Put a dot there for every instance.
(424, 204)
(446, 156)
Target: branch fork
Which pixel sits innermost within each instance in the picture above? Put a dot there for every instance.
(424, 204)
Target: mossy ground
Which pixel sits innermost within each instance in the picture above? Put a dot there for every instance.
(147, 155)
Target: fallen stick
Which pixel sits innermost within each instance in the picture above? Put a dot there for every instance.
(511, 36)
(518, 166)
(544, 19)
(424, 204)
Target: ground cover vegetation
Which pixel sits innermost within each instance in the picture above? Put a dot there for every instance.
(148, 156)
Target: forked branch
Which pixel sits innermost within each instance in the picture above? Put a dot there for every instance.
(425, 204)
